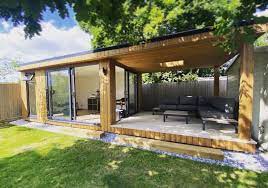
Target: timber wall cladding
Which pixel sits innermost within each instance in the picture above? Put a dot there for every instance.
(10, 101)
(153, 94)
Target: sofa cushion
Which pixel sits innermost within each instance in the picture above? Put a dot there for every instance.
(168, 107)
(187, 107)
(170, 101)
(202, 101)
(223, 104)
(215, 114)
(205, 108)
(188, 100)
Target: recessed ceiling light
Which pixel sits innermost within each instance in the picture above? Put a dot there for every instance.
(172, 63)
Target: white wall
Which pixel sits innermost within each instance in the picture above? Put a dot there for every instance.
(86, 83)
(233, 80)
(260, 92)
(120, 82)
(260, 108)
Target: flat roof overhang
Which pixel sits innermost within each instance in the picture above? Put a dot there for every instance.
(193, 49)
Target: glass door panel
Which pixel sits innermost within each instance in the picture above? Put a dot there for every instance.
(59, 94)
(31, 97)
(131, 92)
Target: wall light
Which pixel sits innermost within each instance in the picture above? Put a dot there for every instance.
(104, 71)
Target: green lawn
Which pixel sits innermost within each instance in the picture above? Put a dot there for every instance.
(34, 158)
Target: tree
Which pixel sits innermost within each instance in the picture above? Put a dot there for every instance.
(262, 40)
(7, 67)
(113, 22)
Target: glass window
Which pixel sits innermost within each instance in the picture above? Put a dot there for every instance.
(132, 92)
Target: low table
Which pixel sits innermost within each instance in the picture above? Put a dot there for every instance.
(176, 113)
(222, 121)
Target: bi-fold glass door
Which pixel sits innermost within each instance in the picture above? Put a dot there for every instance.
(60, 94)
(131, 92)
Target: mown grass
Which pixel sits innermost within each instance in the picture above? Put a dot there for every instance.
(34, 158)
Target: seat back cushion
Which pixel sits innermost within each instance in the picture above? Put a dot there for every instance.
(167, 107)
(188, 100)
(223, 104)
(202, 101)
(170, 102)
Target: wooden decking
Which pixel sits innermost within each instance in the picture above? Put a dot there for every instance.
(176, 130)
(196, 151)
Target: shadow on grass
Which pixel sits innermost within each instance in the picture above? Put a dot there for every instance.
(97, 164)
(4, 125)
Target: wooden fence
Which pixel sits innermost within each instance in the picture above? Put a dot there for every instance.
(10, 101)
(153, 94)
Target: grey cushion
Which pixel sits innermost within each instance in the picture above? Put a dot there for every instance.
(215, 114)
(170, 101)
(167, 107)
(188, 100)
(223, 104)
(202, 101)
(187, 107)
(205, 108)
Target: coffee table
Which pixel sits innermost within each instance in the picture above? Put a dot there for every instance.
(176, 113)
(222, 121)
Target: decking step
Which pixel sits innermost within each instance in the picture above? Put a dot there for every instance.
(196, 151)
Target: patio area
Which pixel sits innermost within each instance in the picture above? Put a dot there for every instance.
(145, 121)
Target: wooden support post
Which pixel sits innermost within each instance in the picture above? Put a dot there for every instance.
(246, 91)
(107, 94)
(24, 101)
(40, 92)
(216, 81)
(139, 91)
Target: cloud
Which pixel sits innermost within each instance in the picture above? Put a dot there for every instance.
(52, 42)
(5, 25)
(262, 13)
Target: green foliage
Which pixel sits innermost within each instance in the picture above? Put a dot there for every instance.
(114, 22)
(178, 76)
(262, 40)
(171, 76)
(35, 158)
(124, 21)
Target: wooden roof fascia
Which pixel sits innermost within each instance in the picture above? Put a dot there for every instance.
(96, 56)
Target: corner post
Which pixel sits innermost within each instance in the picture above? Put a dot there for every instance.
(40, 92)
(216, 81)
(107, 94)
(246, 91)
(139, 91)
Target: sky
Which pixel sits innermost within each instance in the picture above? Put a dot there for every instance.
(58, 37)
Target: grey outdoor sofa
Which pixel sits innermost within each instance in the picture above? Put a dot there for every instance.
(223, 109)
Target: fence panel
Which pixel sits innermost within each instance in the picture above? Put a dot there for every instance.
(153, 94)
(10, 101)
